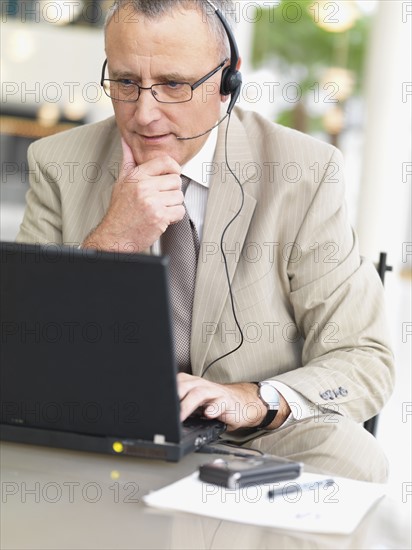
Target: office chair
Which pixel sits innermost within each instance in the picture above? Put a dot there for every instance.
(382, 267)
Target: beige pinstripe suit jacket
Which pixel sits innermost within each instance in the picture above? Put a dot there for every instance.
(311, 311)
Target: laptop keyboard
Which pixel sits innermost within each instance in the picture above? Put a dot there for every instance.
(198, 423)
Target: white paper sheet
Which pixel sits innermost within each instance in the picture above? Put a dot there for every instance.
(335, 508)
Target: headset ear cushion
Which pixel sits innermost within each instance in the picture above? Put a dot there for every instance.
(231, 80)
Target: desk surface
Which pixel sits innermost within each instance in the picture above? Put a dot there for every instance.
(55, 498)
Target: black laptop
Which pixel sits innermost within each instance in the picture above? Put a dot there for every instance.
(87, 358)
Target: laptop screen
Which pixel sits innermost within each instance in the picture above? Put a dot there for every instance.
(86, 342)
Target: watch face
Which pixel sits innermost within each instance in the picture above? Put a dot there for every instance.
(269, 395)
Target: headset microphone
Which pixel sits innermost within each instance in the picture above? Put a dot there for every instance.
(204, 133)
(231, 78)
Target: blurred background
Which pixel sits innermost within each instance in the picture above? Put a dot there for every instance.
(340, 71)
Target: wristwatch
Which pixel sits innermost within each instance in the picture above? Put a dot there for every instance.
(270, 397)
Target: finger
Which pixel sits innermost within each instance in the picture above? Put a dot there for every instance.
(175, 213)
(169, 182)
(184, 383)
(160, 166)
(183, 377)
(195, 398)
(189, 403)
(212, 409)
(172, 198)
(128, 162)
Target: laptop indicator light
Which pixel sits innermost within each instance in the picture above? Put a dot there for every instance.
(118, 447)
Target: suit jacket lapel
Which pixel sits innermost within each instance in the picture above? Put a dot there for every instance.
(224, 201)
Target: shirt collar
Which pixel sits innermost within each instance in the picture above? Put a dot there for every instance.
(195, 168)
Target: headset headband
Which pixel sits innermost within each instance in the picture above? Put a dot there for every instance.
(231, 77)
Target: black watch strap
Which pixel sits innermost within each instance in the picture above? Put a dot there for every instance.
(270, 416)
(268, 419)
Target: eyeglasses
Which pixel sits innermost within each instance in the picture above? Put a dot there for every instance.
(171, 92)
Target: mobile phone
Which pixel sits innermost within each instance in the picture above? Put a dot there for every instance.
(239, 472)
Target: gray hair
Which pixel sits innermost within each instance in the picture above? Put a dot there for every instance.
(155, 9)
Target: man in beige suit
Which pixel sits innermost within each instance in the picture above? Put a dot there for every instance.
(310, 311)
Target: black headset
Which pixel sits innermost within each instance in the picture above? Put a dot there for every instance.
(231, 77)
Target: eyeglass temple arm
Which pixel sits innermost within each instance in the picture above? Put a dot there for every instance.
(209, 75)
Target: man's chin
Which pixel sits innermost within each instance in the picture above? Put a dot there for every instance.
(146, 148)
(144, 153)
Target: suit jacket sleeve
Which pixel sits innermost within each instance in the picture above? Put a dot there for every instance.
(338, 304)
(71, 179)
(42, 222)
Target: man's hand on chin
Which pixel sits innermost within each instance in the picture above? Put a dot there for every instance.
(145, 200)
(237, 405)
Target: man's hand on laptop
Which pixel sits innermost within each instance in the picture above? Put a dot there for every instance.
(145, 200)
(237, 405)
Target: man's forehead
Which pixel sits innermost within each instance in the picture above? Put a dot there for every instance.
(186, 24)
(127, 14)
(175, 44)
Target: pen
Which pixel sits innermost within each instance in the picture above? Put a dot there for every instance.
(294, 487)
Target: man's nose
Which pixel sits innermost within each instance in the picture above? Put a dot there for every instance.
(147, 109)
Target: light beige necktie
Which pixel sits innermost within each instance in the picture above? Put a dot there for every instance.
(180, 241)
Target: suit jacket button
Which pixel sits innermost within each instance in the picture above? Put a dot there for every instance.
(328, 394)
